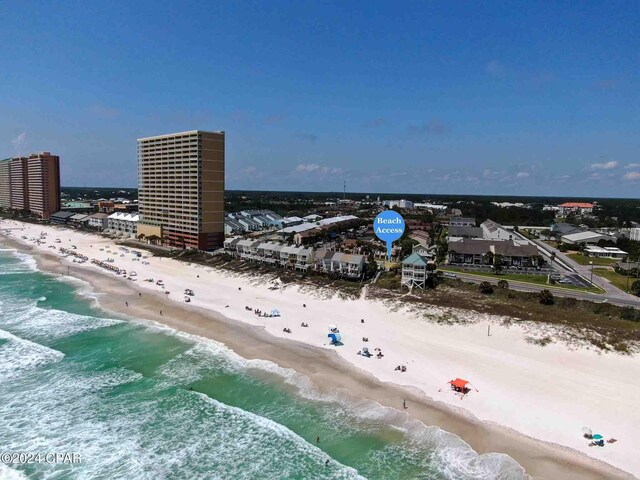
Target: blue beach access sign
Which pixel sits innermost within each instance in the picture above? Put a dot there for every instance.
(388, 227)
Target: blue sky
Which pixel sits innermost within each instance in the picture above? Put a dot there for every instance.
(531, 98)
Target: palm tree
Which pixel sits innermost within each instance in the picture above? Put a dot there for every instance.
(497, 263)
(141, 236)
(153, 239)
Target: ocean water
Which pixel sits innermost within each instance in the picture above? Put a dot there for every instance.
(73, 379)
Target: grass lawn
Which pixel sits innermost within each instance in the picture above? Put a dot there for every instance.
(616, 279)
(537, 279)
(584, 260)
(534, 279)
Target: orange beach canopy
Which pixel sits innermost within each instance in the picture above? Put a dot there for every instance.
(459, 382)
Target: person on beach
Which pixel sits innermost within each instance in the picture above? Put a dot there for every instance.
(160, 312)
(404, 403)
(318, 439)
(126, 303)
(326, 464)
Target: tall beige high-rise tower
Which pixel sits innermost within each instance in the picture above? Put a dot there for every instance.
(31, 183)
(181, 188)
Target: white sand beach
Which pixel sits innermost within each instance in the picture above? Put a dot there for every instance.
(548, 393)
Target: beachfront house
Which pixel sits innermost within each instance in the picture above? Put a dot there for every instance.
(99, 221)
(288, 256)
(304, 258)
(322, 261)
(268, 252)
(415, 270)
(230, 245)
(295, 257)
(79, 219)
(125, 224)
(60, 218)
(348, 265)
(342, 264)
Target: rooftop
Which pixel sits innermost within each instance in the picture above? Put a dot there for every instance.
(576, 205)
(169, 135)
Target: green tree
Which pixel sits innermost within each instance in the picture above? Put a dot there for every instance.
(498, 263)
(371, 267)
(545, 297)
(635, 288)
(485, 288)
(503, 284)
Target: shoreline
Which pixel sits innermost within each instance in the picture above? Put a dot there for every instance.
(328, 371)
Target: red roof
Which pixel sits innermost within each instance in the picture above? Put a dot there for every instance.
(577, 205)
(458, 382)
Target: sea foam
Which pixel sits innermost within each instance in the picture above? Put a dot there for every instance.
(19, 356)
(449, 454)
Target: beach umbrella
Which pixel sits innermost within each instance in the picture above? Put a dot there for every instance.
(597, 436)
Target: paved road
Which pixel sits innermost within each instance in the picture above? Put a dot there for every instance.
(556, 290)
(612, 292)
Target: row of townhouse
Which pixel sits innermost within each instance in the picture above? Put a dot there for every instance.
(296, 258)
(125, 224)
(251, 221)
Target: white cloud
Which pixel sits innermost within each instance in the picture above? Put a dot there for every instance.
(19, 141)
(315, 168)
(633, 176)
(522, 175)
(632, 165)
(488, 173)
(604, 166)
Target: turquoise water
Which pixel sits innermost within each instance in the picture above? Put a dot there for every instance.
(118, 392)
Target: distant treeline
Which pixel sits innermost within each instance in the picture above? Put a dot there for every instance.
(611, 212)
